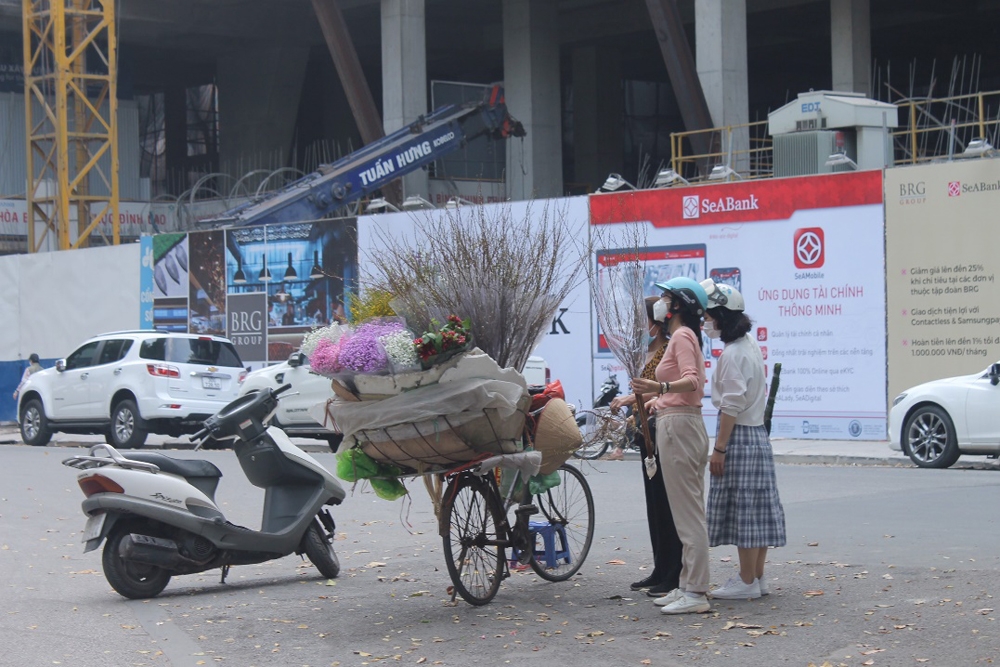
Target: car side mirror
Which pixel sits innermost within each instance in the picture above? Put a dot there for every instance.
(995, 374)
(61, 365)
(295, 359)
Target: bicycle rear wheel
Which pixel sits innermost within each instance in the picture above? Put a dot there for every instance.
(569, 510)
(473, 546)
(594, 430)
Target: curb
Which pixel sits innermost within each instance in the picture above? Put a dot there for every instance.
(821, 459)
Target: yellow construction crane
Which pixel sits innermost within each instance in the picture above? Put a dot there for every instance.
(71, 113)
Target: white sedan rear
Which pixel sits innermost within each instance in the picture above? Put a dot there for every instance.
(936, 422)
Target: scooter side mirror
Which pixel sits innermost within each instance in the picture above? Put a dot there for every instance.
(61, 365)
(296, 359)
(995, 374)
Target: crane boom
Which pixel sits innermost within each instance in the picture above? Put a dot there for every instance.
(364, 171)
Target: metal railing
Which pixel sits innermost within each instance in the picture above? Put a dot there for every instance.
(931, 128)
(937, 127)
(745, 149)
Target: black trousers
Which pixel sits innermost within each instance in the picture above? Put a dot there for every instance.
(667, 547)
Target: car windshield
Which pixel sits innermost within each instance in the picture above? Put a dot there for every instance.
(200, 351)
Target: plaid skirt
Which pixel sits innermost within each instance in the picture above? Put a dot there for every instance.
(743, 504)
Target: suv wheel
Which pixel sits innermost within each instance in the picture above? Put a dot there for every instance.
(127, 428)
(34, 424)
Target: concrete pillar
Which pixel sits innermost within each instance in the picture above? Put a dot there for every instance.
(531, 80)
(721, 55)
(851, 45)
(259, 93)
(597, 114)
(404, 74)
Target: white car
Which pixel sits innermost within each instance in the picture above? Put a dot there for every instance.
(128, 384)
(936, 422)
(309, 389)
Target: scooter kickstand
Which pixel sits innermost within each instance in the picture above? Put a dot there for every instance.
(225, 573)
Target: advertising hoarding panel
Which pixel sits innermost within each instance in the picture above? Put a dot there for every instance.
(942, 296)
(566, 345)
(806, 253)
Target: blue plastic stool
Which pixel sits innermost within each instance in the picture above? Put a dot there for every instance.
(548, 532)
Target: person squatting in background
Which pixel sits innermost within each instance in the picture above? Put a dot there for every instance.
(743, 504)
(33, 367)
(667, 547)
(681, 439)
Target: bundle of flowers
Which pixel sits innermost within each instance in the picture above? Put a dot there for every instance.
(433, 347)
(312, 339)
(378, 346)
(362, 352)
(400, 351)
(325, 357)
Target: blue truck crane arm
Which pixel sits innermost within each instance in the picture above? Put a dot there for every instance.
(330, 187)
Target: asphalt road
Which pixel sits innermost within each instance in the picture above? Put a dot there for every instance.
(884, 566)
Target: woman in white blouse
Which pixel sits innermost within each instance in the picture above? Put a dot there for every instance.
(744, 508)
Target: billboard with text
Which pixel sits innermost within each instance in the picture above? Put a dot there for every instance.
(941, 270)
(807, 255)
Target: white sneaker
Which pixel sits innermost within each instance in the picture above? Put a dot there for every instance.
(687, 605)
(735, 589)
(668, 598)
(763, 587)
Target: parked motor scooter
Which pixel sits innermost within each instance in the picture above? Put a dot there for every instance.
(160, 517)
(600, 428)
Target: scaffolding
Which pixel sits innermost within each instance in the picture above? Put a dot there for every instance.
(71, 108)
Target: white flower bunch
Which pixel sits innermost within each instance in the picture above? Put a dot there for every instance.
(400, 350)
(331, 333)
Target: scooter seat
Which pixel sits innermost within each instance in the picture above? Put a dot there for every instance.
(183, 467)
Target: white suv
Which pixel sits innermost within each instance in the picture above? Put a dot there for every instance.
(128, 384)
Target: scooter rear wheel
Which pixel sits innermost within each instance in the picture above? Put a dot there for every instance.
(319, 549)
(132, 580)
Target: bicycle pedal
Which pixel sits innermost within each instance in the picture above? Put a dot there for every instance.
(526, 510)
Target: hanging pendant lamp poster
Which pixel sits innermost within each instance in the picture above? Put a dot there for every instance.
(807, 255)
(263, 287)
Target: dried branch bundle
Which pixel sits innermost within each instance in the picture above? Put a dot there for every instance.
(506, 271)
(617, 290)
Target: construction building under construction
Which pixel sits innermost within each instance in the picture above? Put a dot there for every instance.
(221, 100)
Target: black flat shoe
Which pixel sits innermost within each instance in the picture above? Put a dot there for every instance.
(645, 583)
(659, 590)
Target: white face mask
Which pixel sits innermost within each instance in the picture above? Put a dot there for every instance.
(661, 310)
(711, 330)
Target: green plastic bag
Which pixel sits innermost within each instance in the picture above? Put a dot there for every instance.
(539, 484)
(354, 465)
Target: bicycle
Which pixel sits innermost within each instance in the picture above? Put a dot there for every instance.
(602, 430)
(476, 532)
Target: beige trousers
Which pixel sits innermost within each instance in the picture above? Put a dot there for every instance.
(682, 443)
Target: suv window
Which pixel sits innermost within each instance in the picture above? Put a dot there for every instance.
(114, 350)
(83, 356)
(201, 351)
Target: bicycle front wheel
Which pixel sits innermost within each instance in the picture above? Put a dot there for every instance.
(569, 511)
(473, 546)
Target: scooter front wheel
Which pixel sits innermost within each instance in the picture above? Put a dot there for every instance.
(319, 549)
(135, 581)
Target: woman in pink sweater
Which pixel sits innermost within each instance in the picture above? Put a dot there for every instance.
(681, 439)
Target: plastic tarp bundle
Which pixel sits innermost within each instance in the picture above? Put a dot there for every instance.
(437, 425)
(458, 399)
